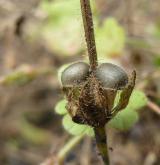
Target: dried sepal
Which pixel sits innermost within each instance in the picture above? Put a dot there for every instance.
(91, 95)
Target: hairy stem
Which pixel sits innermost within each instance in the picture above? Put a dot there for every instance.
(89, 32)
(92, 53)
(101, 140)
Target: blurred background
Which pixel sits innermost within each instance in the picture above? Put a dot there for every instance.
(37, 37)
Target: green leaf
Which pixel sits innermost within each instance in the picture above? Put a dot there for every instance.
(63, 29)
(137, 43)
(138, 100)
(110, 38)
(34, 134)
(19, 78)
(60, 107)
(126, 118)
(76, 129)
(157, 60)
(89, 131)
(156, 30)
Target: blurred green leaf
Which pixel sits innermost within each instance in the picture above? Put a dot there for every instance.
(89, 131)
(25, 74)
(110, 38)
(138, 100)
(76, 129)
(34, 134)
(138, 43)
(60, 107)
(156, 30)
(18, 78)
(63, 30)
(157, 61)
(126, 118)
(68, 124)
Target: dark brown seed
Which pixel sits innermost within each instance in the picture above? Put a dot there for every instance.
(75, 74)
(111, 76)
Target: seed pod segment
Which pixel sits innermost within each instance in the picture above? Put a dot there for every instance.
(111, 76)
(75, 74)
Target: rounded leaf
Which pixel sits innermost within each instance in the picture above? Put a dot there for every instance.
(124, 120)
(138, 100)
(112, 34)
(76, 129)
(60, 107)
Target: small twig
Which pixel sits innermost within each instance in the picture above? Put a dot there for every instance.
(153, 106)
(24, 74)
(68, 147)
(86, 150)
(89, 32)
(58, 159)
(130, 17)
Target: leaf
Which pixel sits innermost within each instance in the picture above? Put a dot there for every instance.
(34, 134)
(138, 100)
(18, 78)
(126, 118)
(76, 129)
(110, 38)
(60, 107)
(63, 29)
(155, 30)
(68, 124)
(89, 131)
(157, 60)
(137, 43)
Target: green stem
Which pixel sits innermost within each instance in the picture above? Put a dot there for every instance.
(101, 140)
(89, 32)
(68, 148)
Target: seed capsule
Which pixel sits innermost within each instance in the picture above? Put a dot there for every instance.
(111, 76)
(75, 74)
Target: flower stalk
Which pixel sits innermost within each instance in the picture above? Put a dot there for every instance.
(89, 32)
(100, 134)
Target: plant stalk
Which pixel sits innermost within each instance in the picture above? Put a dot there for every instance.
(89, 33)
(68, 148)
(101, 140)
(100, 135)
